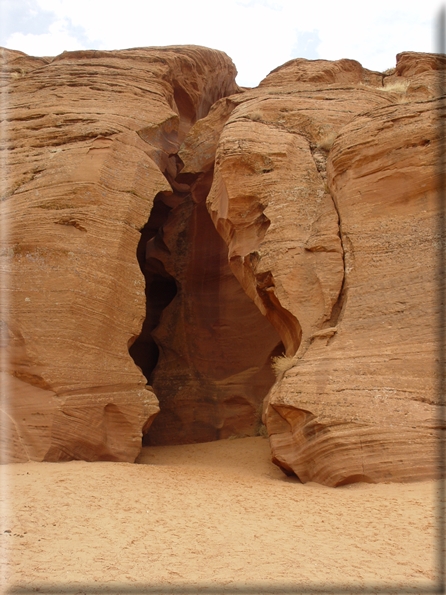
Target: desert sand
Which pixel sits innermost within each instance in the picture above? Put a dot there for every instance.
(216, 517)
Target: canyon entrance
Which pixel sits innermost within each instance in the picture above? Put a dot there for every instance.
(204, 348)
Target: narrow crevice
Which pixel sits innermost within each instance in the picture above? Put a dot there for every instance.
(204, 348)
(339, 306)
(160, 288)
(320, 157)
(286, 323)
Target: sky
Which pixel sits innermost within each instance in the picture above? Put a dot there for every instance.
(258, 35)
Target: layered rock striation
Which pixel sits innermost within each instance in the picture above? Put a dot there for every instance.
(325, 192)
(90, 138)
(158, 215)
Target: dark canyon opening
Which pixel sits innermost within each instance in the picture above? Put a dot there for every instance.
(204, 346)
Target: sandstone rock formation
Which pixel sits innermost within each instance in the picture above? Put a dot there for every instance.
(325, 193)
(292, 224)
(90, 137)
(367, 387)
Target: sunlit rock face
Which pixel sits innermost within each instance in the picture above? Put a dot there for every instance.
(172, 238)
(90, 138)
(325, 193)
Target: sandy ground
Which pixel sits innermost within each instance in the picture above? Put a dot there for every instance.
(216, 518)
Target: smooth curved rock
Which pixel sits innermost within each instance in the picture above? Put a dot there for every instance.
(90, 136)
(342, 264)
(270, 200)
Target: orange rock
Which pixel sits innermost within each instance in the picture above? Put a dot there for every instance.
(292, 224)
(301, 72)
(342, 265)
(270, 200)
(415, 77)
(205, 346)
(89, 136)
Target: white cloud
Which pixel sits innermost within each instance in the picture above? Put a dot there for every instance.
(374, 38)
(57, 40)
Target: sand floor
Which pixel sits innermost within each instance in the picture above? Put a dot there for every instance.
(210, 518)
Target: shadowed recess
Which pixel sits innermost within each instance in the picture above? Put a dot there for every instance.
(204, 347)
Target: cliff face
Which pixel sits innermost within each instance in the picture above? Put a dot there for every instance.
(91, 138)
(212, 233)
(325, 194)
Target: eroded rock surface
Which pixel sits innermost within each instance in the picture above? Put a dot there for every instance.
(90, 137)
(154, 207)
(215, 347)
(206, 348)
(325, 194)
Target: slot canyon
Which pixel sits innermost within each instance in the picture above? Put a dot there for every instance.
(205, 348)
(184, 260)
